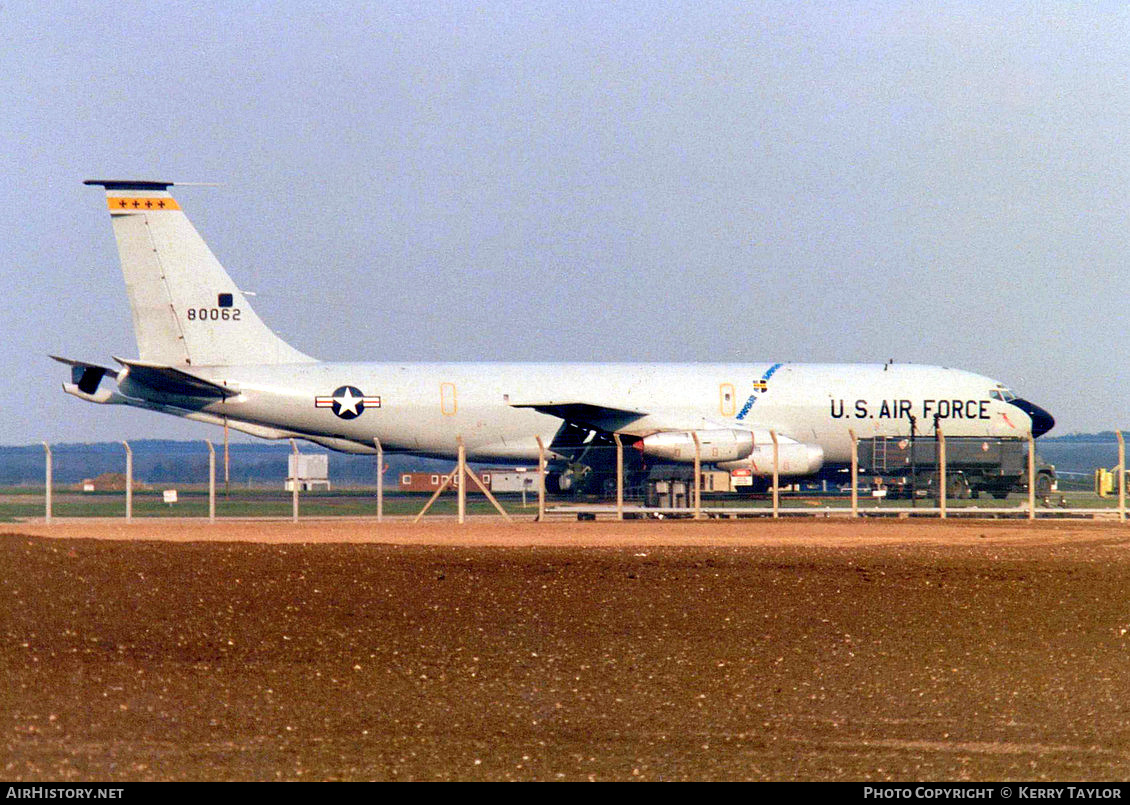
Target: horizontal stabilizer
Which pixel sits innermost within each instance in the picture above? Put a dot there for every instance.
(85, 375)
(82, 364)
(167, 380)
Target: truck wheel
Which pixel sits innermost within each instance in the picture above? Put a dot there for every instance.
(957, 487)
(1043, 484)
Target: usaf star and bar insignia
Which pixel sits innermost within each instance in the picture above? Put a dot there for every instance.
(347, 402)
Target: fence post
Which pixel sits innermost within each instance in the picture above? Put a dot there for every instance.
(697, 476)
(541, 480)
(1121, 477)
(47, 496)
(461, 475)
(854, 474)
(941, 471)
(1031, 476)
(129, 482)
(470, 476)
(447, 479)
(227, 464)
(619, 476)
(211, 481)
(294, 483)
(776, 475)
(380, 479)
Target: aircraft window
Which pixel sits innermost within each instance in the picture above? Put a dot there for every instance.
(1004, 395)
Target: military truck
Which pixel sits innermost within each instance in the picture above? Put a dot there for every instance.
(908, 466)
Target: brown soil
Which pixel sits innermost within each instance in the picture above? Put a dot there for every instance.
(731, 650)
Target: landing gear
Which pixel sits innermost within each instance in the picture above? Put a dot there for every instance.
(557, 483)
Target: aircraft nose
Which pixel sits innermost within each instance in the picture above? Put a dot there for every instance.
(1042, 421)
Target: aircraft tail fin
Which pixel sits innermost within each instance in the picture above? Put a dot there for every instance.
(187, 311)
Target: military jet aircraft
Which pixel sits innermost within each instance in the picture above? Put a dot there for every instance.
(204, 354)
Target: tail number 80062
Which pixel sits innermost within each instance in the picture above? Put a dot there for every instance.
(213, 314)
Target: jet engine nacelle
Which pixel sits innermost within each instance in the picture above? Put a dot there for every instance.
(793, 459)
(715, 445)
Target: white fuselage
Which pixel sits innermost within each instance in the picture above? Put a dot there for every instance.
(425, 408)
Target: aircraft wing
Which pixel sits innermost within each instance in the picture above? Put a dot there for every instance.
(627, 421)
(167, 380)
(588, 415)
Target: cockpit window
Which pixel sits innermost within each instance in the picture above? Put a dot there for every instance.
(1004, 395)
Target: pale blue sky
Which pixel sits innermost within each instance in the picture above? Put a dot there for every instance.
(937, 183)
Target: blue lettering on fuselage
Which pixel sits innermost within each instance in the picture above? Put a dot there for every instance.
(761, 385)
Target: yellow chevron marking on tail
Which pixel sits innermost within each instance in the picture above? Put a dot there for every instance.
(134, 204)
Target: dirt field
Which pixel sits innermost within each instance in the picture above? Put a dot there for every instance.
(724, 650)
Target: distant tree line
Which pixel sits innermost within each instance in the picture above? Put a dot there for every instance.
(164, 461)
(265, 463)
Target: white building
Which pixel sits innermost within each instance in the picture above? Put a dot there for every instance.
(312, 471)
(514, 479)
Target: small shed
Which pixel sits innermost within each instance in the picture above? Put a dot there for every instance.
(311, 471)
(430, 481)
(513, 479)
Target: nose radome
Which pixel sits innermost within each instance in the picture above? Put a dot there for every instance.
(1042, 421)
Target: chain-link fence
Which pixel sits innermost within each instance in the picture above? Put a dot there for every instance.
(898, 477)
(596, 478)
